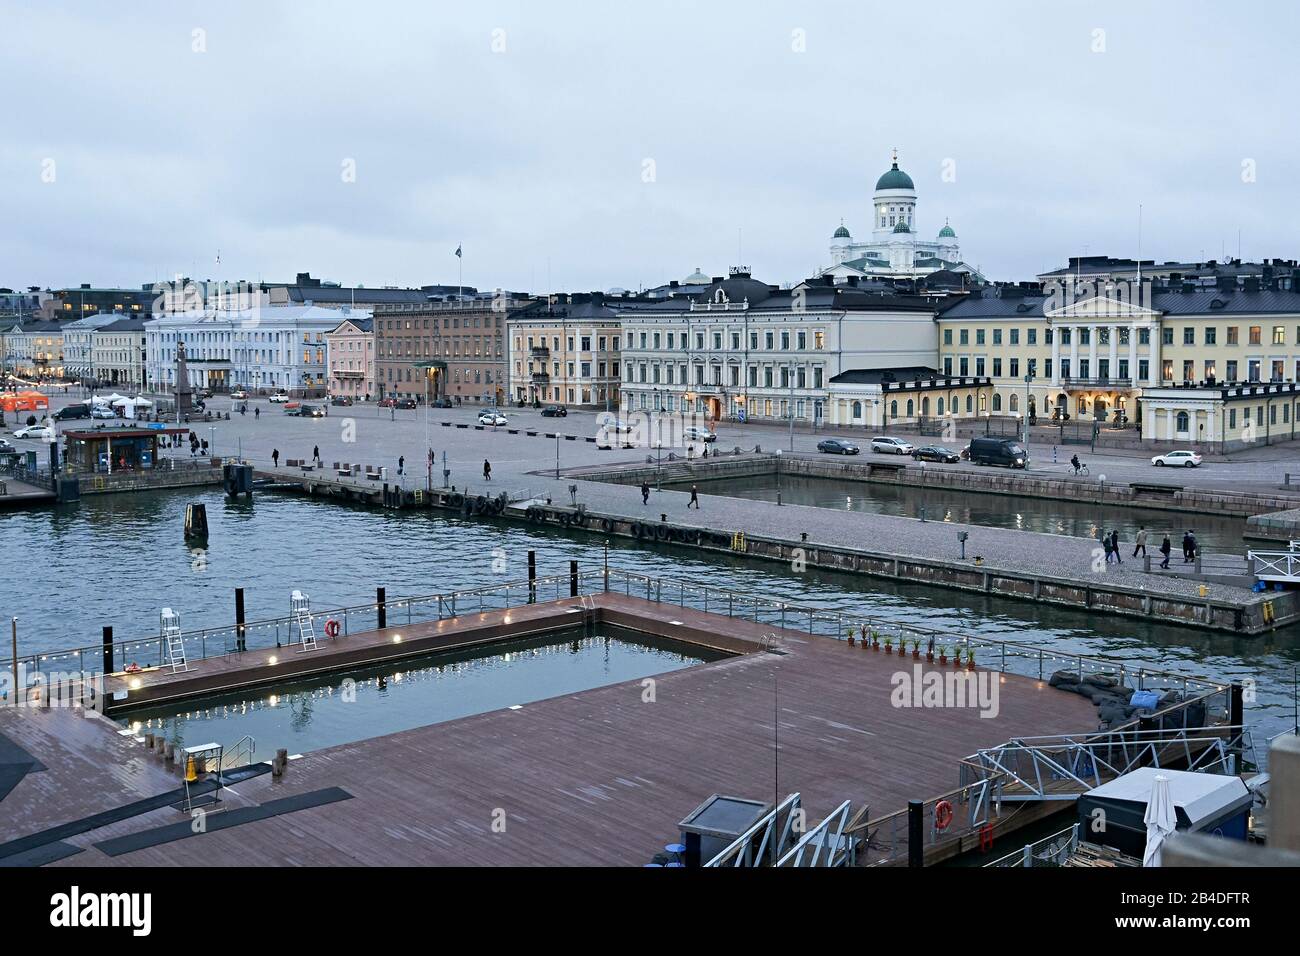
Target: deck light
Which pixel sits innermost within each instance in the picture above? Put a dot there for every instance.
(397, 638)
(273, 659)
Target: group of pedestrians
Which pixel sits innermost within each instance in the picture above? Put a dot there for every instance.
(1110, 544)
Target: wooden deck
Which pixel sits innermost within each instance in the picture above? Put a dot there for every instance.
(600, 777)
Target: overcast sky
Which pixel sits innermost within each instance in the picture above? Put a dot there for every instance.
(588, 145)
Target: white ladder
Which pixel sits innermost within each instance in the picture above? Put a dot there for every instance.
(170, 631)
(300, 613)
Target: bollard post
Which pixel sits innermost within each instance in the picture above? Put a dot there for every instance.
(532, 577)
(573, 579)
(108, 650)
(239, 620)
(915, 833)
(381, 607)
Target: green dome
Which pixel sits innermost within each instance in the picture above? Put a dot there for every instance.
(947, 233)
(901, 227)
(842, 233)
(895, 178)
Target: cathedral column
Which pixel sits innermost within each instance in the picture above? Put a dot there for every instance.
(1074, 352)
(1112, 332)
(1133, 355)
(1056, 357)
(1092, 351)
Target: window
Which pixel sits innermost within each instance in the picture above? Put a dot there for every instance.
(1232, 335)
(1166, 336)
(964, 365)
(1189, 336)
(1255, 331)
(1033, 336)
(1015, 367)
(979, 336)
(769, 339)
(1015, 336)
(997, 336)
(1279, 335)
(1211, 333)
(947, 336)
(997, 368)
(1182, 422)
(963, 337)
(785, 340)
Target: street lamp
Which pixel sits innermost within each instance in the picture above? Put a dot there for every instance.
(1029, 377)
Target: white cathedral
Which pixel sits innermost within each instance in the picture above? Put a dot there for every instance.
(895, 249)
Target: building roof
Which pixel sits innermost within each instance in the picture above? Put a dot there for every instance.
(129, 324)
(1028, 302)
(361, 325)
(894, 178)
(947, 232)
(841, 233)
(877, 376)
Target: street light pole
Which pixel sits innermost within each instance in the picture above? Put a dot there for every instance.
(1029, 377)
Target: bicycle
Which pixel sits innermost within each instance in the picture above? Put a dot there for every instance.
(1081, 471)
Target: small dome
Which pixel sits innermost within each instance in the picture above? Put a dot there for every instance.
(901, 227)
(842, 233)
(947, 233)
(696, 278)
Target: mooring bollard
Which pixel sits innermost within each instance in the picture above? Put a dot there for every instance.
(279, 763)
(239, 620)
(381, 607)
(573, 579)
(108, 650)
(532, 577)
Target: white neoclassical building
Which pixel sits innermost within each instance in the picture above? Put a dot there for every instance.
(280, 347)
(894, 246)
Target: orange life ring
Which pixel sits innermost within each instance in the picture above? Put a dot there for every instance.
(331, 628)
(942, 815)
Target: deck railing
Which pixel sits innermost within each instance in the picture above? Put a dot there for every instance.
(1004, 656)
(1051, 850)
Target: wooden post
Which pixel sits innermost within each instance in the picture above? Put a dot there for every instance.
(381, 606)
(532, 577)
(573, 579)
(108, 649)
(915, 833)
(239, 620)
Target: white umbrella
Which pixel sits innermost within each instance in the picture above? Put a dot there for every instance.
(1159, 818)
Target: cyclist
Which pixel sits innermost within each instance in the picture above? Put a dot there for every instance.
(1074, 460)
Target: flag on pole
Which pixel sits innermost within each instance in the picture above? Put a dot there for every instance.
(458, 255)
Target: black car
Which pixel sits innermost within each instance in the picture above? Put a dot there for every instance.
(405, 403)
(443, 402)
(72, 411)
(837, 446)
(936, 453)
(554, 411)
(341, 400)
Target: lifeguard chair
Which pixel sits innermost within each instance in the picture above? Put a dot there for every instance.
(169, 630)
(300, 617)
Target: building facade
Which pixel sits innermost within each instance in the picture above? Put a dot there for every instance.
(741, 349)
(79, 343)
(119, 354)
(31, 350)
(450, 347)
(350, 348)
(566, 349)
(879, 398)
(263, 350)
(1091, 352)
(64, 305)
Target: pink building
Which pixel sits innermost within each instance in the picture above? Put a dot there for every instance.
(352, 358)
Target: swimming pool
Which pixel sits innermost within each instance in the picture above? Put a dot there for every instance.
(380, 699)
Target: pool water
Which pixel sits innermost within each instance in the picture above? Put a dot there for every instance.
(381, 699)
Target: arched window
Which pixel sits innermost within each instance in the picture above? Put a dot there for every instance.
(893, 409)
(970, 404)
(1015, 402)
(911, 408)
(1182, 421)
(940, 406)
(857, 410)
(984, 403)
(997, 401)
(925, 406)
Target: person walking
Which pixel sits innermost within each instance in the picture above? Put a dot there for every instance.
(1114, 546)
(315, 453)
(275, 457)
(487, 470)
(695, 498)
(1165, 549)
(401, 463)
(1187, 547)
(257, 413)
(645, 492)
(1141, 542)
(1191, 546)
(1105, 543)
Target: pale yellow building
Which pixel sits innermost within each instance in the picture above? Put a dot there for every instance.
(566, 350)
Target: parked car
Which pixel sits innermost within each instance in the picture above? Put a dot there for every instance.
(102, 412)
(891, 446)
(405, 403)
(239, 394)
(311, 411)
(937, 453)
(999, 451)
(1184, 459)
(6, 448)
(491, 418)
(698, 433)
(837, 446)
(72, 411)
(443, 402)
(555, 411)
(343, 400)
(35, 432)
(280, 398)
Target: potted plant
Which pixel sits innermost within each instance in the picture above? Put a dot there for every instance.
(943, 655)
(889, 645)
(850, 637)
(916, 649)
(970, 658)
(929, 651)
(875, 641)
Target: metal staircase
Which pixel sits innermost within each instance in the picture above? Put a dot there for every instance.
(174, 644)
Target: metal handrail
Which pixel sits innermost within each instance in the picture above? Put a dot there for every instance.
(1060, 846)
(742, 852)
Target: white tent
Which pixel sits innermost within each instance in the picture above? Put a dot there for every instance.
(129, 405)
(1159, 818)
